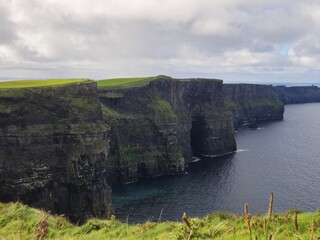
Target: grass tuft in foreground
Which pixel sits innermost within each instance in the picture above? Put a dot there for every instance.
(18, 221)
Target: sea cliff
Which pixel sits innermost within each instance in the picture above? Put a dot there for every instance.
(251, 103)
(53, 150)
(62, 147)
(298, 94)
(158, 127)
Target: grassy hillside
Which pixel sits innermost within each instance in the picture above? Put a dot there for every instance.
(18, 221)
(112, 82)
(39, 83)
(122, 83)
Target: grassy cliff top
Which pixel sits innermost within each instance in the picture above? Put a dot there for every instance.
(123, 83)
(114, 82)
(18, 221)
(40, 83)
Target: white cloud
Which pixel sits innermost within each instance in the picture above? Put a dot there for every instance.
(263, 39)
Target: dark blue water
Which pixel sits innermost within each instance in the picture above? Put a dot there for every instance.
(281, 157)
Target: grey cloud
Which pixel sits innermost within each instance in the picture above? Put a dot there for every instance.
(7, 29)
(121, 38)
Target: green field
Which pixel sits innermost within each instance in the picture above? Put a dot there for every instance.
(18, 221)
(123, 82)
(39, 83)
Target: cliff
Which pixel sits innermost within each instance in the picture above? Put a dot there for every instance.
(251, 103)
(158, 126)
(53, 149)
(305, 94)
(60, 146)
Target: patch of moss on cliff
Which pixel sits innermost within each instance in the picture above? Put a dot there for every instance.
(112, 115)
(263, 102)
(4, 108)
(137, 154)
(175, 154)
(229, 103)
(112, 95)
(109, 113)
(213, 115)
(88, 127)
(162, 111)
(84, 104)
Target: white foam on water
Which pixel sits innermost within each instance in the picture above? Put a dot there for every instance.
(195, 159)
(242, 150)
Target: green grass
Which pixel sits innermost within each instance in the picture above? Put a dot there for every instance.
(229, 103)
(4, 108)
(112, 95)
(123, 83)
(18, 221)
(114, 82)
(83, 103)
(163, 112)
(39, 83)
(140, 154)
(263, 102)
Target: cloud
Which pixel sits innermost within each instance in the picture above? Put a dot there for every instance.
(266, 40)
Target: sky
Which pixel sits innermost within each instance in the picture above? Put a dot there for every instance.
(267, 41)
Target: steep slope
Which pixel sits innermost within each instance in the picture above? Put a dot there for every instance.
(297, 94)
(251, 103)
(53, 149)
(158, 126)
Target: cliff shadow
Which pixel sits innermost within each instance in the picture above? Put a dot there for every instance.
(197, 135)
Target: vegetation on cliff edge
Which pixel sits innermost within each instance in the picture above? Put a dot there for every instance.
(18, 221)
(124, 83)
(112, 82)
(40, 83)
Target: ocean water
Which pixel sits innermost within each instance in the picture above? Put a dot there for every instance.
(281, 157)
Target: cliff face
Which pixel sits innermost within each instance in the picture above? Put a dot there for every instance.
(157, 128)
(304, 94)
(53, 150)
(250, 103)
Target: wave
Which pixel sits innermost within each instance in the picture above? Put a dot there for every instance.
(242, 150)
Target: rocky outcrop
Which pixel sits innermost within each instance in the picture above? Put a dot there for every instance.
(251, 103)
(157, 128)
(53, 150)
(298, 94)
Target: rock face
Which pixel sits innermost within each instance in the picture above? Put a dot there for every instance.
(306, 94)
(61, 146)
(156, 129)
(53, 150)
(251, 103)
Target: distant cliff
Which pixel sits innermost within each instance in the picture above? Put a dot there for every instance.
(53, 150)
(158, 127)
(303, 94)
(251, 103)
